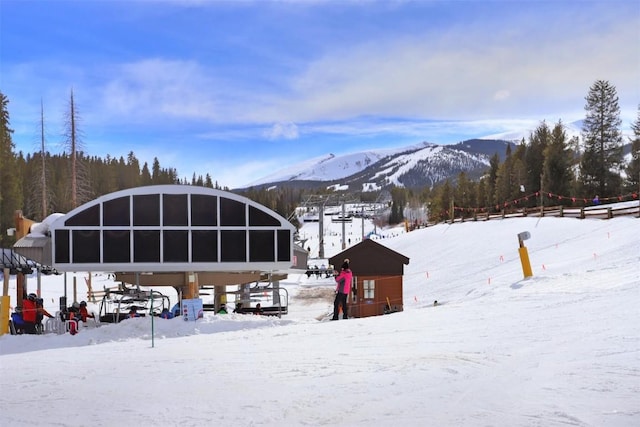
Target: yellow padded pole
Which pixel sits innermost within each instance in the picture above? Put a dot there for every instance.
(524, 259)
(4, 314)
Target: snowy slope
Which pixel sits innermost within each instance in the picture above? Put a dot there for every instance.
(435, 162)
(330, 167)
(420, 165)
(560, 348)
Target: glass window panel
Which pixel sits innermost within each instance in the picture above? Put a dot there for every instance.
(116, 246)
(204, 246)
(62, 246)
(174, 209)
(233, 246)
(175, 246)
(262, 246)
(204, 210)
(146, 246)
(284, 245)
(232, 212)
(86, 246)
(116, 211)
(369, 287)
(146, 209)
(260, 218)
(87, 217)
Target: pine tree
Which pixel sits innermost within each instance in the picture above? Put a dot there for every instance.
(492, 176)
(439, 210)
(506, 180)
(481, 194)
(133, 171)
(538, 142)
(40, 203)
(633, 168)
(10, 191)
(462, 193)
(145, 178)
(557, 174)
(602, 137)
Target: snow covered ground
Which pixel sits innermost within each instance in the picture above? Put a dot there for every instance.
(560, 348)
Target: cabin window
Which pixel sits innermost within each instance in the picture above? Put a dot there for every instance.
(369, 287)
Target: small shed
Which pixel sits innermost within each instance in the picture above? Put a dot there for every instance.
(377, 278)
(300, 257)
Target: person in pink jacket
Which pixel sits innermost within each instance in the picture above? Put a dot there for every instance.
(343, 288)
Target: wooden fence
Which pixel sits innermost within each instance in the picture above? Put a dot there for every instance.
(595, 212)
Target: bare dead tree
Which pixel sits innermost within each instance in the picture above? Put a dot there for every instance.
(79, 185)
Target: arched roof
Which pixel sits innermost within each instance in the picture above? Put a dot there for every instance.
(171, 228)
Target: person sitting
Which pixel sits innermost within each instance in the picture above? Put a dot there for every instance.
(238, 308)
(40, 314)
(175, 310)
(223, 309)
(84, 313)
(166, 314)
(16, 323)
(73, 312)
(258, 309)
(29, 313)
(133, 311)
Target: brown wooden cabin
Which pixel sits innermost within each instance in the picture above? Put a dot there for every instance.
(377, 276)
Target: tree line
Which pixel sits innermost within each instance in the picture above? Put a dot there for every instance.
(42, 183)
(548, 162)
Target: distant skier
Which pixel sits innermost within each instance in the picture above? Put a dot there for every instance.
(343, 288)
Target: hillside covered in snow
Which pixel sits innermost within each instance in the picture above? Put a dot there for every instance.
(559, 348)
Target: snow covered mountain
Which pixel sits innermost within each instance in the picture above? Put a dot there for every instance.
(330, 167)
(415, 166)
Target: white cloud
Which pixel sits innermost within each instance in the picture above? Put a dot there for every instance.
(501, 95)
(283, 131)
(463, 75)
(161, 87)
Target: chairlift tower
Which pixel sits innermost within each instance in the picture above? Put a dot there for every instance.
(319, 202)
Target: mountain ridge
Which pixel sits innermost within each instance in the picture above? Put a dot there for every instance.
(412, 166)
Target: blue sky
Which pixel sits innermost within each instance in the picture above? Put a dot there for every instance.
(239, 89)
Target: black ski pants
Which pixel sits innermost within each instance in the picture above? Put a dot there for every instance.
(341, 300)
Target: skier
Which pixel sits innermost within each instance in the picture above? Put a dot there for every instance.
(343, 288)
